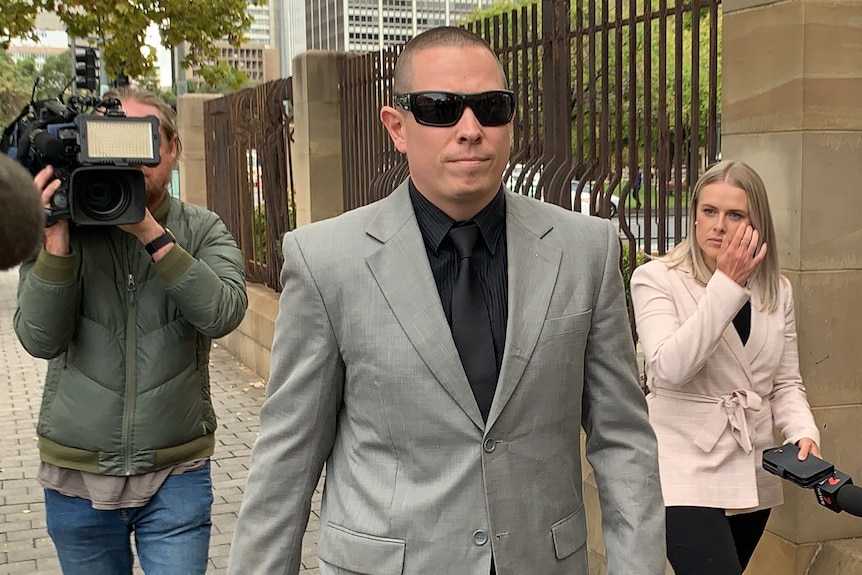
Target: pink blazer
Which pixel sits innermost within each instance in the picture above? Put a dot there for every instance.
(712, 401)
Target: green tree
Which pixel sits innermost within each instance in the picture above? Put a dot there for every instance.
(119, 29)
(590, 85)
(18, 20)
(18, 79)
(152, 83)
(230, 79)
(53, 76)
(13, 91)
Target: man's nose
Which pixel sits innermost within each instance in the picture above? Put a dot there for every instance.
(468, 126)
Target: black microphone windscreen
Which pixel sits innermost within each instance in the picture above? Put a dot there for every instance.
(849, 499)
(50, 147)
(22, 219)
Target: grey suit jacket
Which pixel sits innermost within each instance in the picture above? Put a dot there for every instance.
(366, 379)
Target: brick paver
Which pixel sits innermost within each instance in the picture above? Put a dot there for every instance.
(25, 547)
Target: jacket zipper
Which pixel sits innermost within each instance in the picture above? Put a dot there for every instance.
(131, 383)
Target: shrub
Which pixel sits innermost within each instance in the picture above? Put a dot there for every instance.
(260, 236)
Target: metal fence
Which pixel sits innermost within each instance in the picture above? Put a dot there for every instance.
(618, 111)
(249, 172)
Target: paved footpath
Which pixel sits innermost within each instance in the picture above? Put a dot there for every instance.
(25, 547)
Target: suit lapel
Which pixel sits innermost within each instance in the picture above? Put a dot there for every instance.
(533, 268)
(400, 267)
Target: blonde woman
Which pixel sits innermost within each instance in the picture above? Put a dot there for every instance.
(716, 323)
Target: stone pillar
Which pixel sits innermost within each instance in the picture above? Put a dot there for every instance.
(317, 165)
(190, 125)
(792, 109)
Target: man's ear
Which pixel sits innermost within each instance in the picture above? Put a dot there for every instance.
(394, 122)
(175, 146)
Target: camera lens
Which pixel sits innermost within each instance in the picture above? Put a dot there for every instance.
(107, 195)
(102, 196)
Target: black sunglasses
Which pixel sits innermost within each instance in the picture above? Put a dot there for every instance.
(442, 109)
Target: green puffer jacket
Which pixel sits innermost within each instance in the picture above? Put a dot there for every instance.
(127, 390)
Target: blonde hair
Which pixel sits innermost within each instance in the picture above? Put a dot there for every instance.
(167, 115)
(687, 254)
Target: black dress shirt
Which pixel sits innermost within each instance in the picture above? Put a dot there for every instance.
(742, 322)
(489, 259)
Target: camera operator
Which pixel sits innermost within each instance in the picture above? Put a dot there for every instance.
(126, 314)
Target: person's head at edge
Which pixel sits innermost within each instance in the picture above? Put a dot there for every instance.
(458, 168)
(734, 184)
(139, 103)
(21, 216)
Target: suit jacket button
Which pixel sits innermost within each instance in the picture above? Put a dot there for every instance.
(480, 537)
(489, 445)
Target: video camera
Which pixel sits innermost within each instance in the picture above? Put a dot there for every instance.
(94, 148)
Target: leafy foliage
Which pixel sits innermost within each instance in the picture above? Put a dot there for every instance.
(594, 90)
(119, 27)
(18, 20)
(227, 79)
(151, 82)
(13, 91)
(260, 238)
(495, 9)
(17, 81)
(627, 268)
(54, 74)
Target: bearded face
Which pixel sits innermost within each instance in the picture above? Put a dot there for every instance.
(157, 180)
(158, 177)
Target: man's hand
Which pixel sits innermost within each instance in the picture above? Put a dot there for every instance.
(146, 231)
(56, 236)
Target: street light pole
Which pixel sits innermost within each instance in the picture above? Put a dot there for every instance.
(178, 54)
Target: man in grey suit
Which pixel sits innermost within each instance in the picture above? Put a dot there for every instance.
(439, 351)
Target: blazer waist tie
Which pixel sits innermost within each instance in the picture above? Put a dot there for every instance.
(730, 409)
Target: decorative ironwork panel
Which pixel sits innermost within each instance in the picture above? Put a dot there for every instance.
(249, 172)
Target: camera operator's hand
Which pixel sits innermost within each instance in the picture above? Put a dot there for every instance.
(56, 236)
(146, 231)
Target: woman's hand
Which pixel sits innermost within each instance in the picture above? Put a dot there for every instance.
(738, 257)
(806, 445)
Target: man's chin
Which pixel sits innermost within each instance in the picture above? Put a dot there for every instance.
(478, 187)
(155, 196)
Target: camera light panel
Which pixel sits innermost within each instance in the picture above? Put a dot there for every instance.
(119, 140)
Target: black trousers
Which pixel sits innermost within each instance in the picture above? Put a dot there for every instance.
(705, 541)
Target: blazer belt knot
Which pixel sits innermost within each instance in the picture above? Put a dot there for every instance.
(729, 409)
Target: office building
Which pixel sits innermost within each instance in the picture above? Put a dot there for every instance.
(359, 25)
(256, 57)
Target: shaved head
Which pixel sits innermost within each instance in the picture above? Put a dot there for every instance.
(441, 37)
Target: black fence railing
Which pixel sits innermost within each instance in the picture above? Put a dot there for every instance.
(249, 172)
(618, 111)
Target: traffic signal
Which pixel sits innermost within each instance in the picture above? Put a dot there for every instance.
(86, 69)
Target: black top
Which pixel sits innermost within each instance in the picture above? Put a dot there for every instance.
(489, 258)
(742, 322)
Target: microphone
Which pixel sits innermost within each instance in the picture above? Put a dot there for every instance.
(22, 219)
(837, 492)
(49, 146)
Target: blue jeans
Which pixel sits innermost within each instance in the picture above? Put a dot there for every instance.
(172, 531)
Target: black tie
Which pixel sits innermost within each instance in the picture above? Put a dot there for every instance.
(471, 324)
